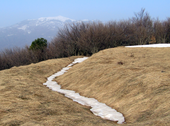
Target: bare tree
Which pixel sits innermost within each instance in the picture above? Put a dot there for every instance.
(143, 27)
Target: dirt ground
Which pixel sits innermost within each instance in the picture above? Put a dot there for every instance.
(134, 81)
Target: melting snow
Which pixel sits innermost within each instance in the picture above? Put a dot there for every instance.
(151, 45)
(98, 109)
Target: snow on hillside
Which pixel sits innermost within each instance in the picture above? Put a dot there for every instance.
(60, 18)
(150, 45)
(24, 27)
(98, 109)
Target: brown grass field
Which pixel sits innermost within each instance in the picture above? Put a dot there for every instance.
(134, 81)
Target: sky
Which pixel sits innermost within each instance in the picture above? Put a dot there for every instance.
(15, 11)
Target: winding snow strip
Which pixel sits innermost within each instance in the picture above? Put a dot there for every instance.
(151, 45)
(98, 109)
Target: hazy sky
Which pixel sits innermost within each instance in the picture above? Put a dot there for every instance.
(14, 11)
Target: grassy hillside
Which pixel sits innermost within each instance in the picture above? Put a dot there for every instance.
(134, 81)
(24, 100)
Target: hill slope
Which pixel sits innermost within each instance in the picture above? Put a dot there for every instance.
(134, 81)
(25, 101)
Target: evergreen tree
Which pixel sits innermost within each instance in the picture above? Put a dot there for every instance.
(38, 44)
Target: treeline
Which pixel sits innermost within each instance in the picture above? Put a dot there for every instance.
(87, 38)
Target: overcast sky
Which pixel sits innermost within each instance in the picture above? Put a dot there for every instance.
(14, 11)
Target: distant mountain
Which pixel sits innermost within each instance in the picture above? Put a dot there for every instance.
(25, 32)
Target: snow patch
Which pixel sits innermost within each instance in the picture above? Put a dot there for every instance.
(151, 45)
(98, 109)
(60, 18)
(24, 27)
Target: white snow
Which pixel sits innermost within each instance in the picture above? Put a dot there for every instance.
(97, 108)
(151, 45)
(24, 27)
(61, 18)
(43, 20)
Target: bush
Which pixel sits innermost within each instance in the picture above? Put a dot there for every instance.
(38, 44)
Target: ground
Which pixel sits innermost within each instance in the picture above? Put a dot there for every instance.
(134, 81)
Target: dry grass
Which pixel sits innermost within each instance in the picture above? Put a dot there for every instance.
(134, 81)
(24, 100)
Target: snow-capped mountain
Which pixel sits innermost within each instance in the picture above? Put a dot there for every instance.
(25, 32)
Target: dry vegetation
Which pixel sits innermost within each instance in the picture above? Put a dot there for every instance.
(25, 101)
(134, 81)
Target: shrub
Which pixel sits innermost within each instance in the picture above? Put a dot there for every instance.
(38, 44)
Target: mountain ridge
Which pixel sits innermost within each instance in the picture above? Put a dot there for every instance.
(26, 31)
